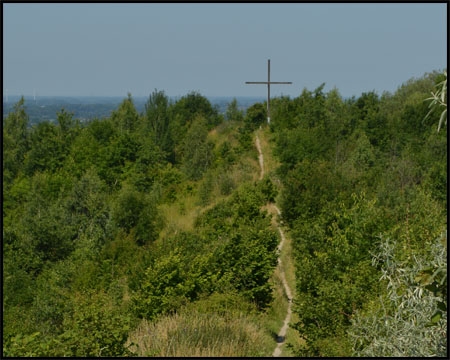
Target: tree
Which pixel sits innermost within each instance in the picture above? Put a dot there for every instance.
(95, 327)
(15, 140)
(126, 117)
(197, 150)
(256, 115)
(102, 130)
(88, 144)
(46, 218)
(245, 263)
(233, 112)
(133, 211)
(184, 112)
(16, 123)
(193, 104)
(114, 160)
(150, 159)
(45, 151)
(282, 112)
(166, 285)
(65, 121)
(87, 202)
(158, 120)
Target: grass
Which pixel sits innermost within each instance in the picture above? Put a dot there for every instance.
(274, 317)
(204, 328)
(180, 215)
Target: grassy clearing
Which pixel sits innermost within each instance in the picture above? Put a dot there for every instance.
(179, 215)
(197, 334)
(214, 327)
(216, 185)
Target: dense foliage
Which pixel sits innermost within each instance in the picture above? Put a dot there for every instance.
(354, 173)
(88, 250)
(129, 222)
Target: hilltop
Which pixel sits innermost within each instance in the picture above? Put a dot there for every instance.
(182, 230)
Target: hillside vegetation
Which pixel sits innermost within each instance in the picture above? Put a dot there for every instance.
(150, 234)
(364, 191)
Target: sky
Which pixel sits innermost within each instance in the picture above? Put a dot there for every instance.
(111, 49)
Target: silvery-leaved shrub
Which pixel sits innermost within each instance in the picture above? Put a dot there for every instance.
(438, 101)
(410, 317)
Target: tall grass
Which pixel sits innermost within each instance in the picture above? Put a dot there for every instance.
(215, 185)
(179, 215)
(196, 331)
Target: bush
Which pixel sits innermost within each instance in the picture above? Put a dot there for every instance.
(406, 320)
(133, 210)
(167, 285)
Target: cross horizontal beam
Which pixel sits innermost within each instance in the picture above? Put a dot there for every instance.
(268, 83)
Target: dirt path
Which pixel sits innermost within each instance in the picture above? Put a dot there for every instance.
(282, 333)
(281, 337)
(260, 157)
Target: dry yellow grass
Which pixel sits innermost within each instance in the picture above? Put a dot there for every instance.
(195, 334)
(179, 215)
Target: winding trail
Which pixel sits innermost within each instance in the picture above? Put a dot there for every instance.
(260, 158)
(281, 337)
(282, 333)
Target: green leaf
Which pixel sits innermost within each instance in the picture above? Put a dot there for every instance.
(442, 306)
(435, 319)
(425, 276)
(432, 287)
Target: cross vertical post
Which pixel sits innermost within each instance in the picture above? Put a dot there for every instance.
(268, 91)
(268, 82)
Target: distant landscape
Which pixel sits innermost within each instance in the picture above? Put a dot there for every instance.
(86, 108)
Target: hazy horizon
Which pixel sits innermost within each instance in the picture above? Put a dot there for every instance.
(110, 49)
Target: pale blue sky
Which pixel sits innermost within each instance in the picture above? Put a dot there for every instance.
(111, 49)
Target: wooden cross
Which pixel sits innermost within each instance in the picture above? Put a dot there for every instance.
(268, 82)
